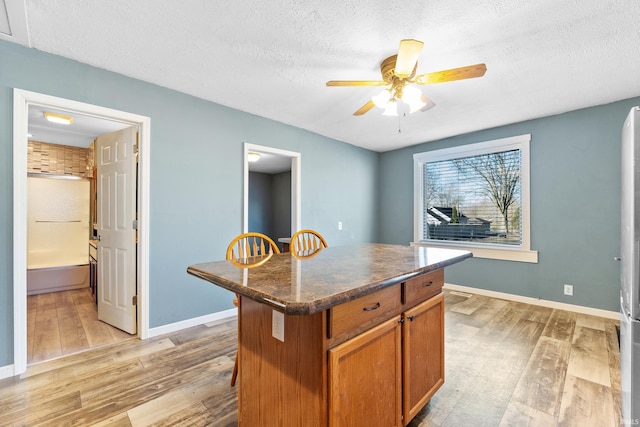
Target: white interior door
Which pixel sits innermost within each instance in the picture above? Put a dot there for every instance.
(116, 169)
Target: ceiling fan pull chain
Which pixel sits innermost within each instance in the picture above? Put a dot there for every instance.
(400, 117)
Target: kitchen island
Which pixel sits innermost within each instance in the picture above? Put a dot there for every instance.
(351, 335)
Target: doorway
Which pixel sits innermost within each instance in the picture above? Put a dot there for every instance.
(23, 100)
(273, 161)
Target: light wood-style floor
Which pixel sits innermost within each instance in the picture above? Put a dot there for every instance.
(62, 323)
(508, 364)
(514, 364)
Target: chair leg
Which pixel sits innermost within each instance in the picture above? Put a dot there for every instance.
(234, 374)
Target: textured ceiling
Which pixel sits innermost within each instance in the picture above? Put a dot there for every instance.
(272, 58)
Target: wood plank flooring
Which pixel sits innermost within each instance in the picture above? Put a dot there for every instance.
(507, 364)
(62, 323)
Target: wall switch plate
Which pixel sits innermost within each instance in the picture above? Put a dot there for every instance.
(568, 290)
(339, 225)
(277, 325)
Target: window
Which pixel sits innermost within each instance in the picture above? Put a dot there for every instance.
(475, 197)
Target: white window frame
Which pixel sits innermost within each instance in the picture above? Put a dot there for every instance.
(522, 252)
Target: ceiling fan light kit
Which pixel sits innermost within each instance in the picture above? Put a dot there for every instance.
(391, 109)
(399, 75)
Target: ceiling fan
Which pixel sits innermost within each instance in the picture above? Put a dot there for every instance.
(399, 75)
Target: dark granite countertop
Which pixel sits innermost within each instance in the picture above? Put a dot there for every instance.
(330, 277)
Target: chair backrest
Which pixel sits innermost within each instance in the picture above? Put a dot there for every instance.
(251, 245)
(307, 241)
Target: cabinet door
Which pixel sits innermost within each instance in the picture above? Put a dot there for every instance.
(364, 378)
(423, 354)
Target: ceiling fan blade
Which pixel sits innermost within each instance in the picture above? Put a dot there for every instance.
(429, 104)
(468, 72)
(366, 107)
(407, 57)
(356, 83)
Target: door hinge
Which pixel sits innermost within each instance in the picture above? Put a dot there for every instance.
(135, 224)
(134, 300)
(135, 146)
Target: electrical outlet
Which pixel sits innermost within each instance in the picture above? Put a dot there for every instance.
(277, 325)
(339, 225)
(568, 290)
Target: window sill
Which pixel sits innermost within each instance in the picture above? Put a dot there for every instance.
(490, 253)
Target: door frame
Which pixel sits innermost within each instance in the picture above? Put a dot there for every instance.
(295, 183)
(22, 99)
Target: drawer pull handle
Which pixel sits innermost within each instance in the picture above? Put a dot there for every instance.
(424, 285)
(372, 308)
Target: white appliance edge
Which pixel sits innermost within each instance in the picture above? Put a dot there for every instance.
(630, 270)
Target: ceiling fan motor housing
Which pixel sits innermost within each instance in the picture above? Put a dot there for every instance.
(388, 69)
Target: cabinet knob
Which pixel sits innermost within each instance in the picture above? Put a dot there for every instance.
(411, 318)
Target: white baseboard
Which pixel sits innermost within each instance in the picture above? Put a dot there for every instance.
(6, 371)
(188, 323)
(536, 301)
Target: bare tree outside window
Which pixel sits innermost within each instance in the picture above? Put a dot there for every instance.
(500, 177)
(438, 193)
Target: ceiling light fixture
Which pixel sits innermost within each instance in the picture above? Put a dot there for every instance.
(391, 109)
(411, 96)
(58, 118)
(253, 156)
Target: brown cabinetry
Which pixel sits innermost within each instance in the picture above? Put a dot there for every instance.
(423, 354)
(375, 360)
(349, 318)
(365, 376)
(388, 373)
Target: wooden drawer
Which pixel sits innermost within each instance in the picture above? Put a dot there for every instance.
(364, 312)
(423, 287)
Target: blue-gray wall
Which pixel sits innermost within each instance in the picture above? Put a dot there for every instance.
(260, 203)
(196, 178)
(281, 190)
(575, 207)
(270, 204)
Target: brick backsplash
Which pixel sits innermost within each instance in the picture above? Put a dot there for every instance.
(55, 159)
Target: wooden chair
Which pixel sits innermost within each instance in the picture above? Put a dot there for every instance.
(248, 245)
(307, 242)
